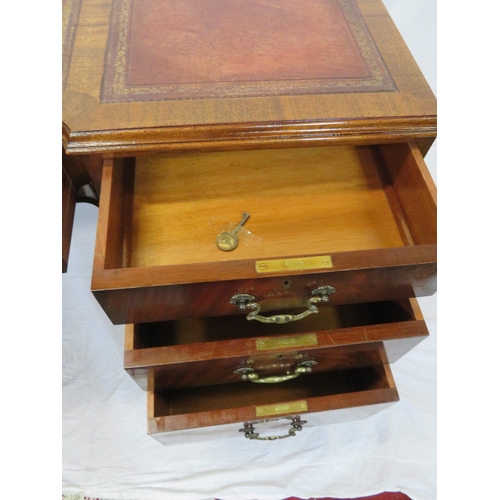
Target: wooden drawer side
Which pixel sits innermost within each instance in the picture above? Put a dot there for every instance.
(114, 230)
(414, 190)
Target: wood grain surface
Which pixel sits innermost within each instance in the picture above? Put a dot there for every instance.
(228, 403)
(209, 350)
(227, 122)
(156, 256)
(68, 212)
(305, 201)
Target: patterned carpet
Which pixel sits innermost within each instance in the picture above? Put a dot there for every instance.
(380, 496)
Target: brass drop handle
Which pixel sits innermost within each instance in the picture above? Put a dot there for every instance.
(249, 429)
(246, 301)
(248, 373)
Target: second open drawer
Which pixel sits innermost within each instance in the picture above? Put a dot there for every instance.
(220, 350)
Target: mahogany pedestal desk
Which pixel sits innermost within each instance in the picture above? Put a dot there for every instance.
(180, 116)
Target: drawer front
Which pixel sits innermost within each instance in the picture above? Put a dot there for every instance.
(276, 294)
(267, 429)
(209, 351)
(211, 405)
(363, 220)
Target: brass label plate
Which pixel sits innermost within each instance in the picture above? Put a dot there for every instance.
(297, 264)
(278, 409)
(286, 342)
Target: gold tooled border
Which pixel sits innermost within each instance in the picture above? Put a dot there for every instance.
(115, 87)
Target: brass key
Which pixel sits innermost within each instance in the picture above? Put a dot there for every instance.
(228, 240)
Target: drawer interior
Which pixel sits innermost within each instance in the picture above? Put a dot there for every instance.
(354, 385)
(227, 396)
(170, 208)
(213, 329)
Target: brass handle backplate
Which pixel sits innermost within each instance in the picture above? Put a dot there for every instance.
(246, 301)
(249, 429)
(248, 373)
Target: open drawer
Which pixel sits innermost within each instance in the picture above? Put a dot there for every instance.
(171, 409)
(358, 219)
(229, 349)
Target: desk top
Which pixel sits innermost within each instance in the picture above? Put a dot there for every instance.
(153, 75)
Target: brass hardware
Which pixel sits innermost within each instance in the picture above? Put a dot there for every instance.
(248, 373)
(277, 409)
(296, 426)
(298, 264)
(286, 342)
(246, 301)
